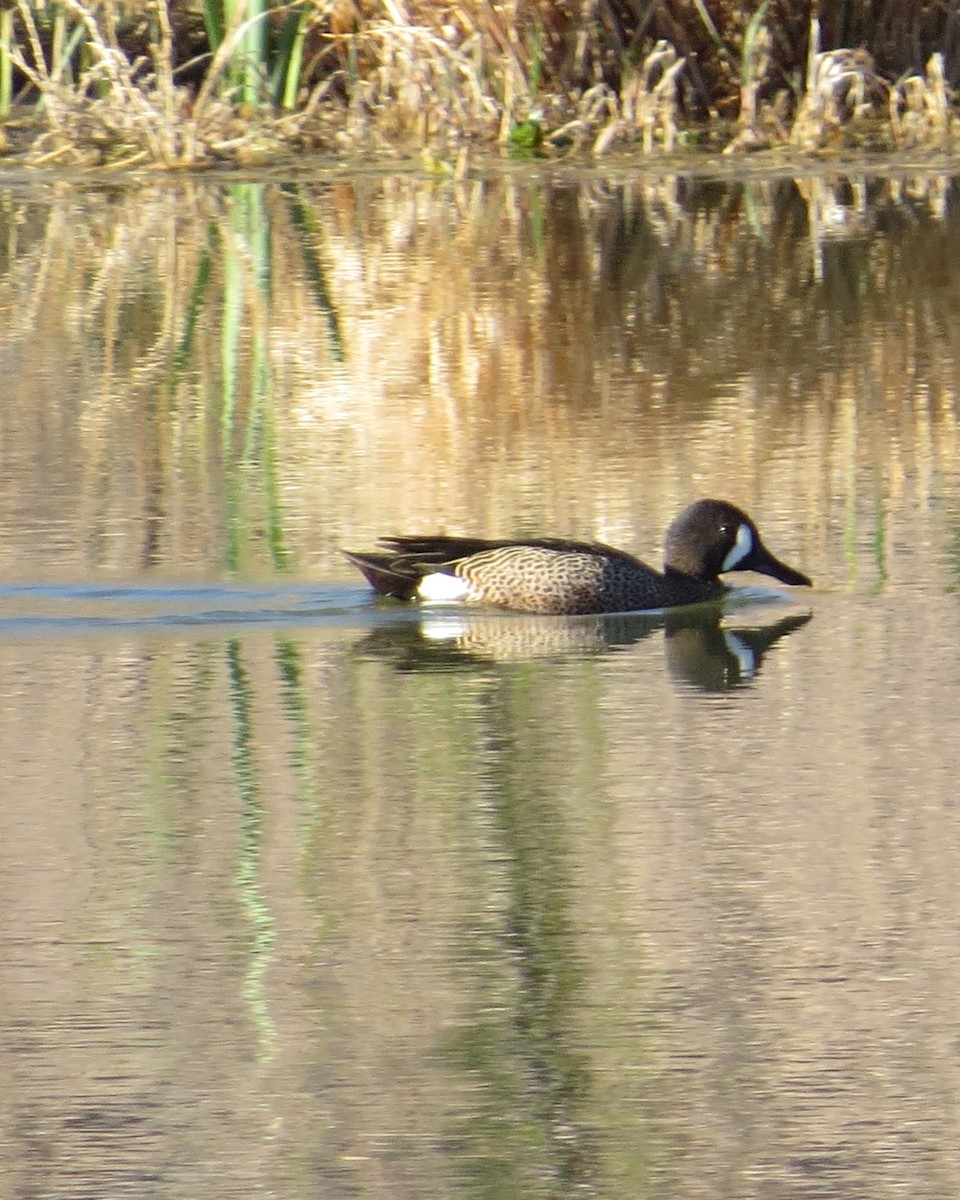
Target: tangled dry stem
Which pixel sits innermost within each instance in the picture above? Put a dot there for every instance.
(422, 85)
(844, 94)
(126, 110)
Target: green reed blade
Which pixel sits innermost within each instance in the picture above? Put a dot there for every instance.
(213, 23)
(288, 58)
(750, 42)
(6, 65)
(249, 58)
(66, 40)
(255, 53)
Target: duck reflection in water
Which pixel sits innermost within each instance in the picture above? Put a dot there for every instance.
(701, 650)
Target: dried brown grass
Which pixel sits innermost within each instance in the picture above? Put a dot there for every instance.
(445, 73)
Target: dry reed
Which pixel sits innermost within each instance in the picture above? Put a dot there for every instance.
(123, 85)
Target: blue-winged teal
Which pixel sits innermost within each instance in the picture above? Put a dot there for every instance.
(553, 575)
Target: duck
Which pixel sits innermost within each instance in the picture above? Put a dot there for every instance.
(559, 576)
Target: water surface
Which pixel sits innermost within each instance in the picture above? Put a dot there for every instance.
(304, 895)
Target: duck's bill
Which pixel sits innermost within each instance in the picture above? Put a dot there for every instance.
(760, 559)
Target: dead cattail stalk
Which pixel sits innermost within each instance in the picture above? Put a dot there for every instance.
(840, 86)
(647, 104)
(920, 113)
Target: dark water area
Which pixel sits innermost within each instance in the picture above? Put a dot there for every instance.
(305, 894)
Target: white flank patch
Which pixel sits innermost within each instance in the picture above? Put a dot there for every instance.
(441, 588)
(740, 548)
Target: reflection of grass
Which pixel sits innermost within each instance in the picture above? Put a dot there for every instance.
(418, 332)
(249, 865)
(880, 534)
(952, 519)
(290, 669)
(247, 290)
(540, 1107)
(308, 232)
(180, 359)
(230, 340)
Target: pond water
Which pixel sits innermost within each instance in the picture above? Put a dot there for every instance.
(305, 895)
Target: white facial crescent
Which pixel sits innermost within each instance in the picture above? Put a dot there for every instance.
(740, 548)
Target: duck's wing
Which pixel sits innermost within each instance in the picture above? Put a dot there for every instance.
(440, 549)
(398, 569)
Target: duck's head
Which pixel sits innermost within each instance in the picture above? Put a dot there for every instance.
(712, 537)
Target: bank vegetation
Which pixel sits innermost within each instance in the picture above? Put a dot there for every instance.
(195, 83)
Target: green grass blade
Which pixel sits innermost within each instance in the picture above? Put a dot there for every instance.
(288, 56)
(253, 54)
(213, 23)
(750, 42)
(6, 65)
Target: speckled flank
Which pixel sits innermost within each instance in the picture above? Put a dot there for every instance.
(534, 579)
(539, 580)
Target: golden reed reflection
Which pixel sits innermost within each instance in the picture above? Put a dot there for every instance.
(328, 916)
(247, 376)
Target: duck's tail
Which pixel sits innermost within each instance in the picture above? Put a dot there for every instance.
(387, 575)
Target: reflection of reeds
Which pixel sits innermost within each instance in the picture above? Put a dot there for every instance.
(248, 434)
(303, 220)
(158, 290)
(483, 358)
